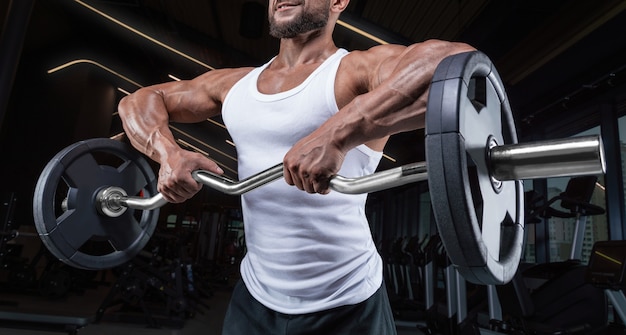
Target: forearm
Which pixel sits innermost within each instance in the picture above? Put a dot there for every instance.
(399, 102)
(146, 123)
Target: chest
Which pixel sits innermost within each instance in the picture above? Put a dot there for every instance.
(274, 81)
(345, 85)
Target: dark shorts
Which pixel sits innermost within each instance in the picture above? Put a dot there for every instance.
(246, 316)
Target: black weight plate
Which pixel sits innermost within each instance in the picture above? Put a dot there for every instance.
(75, 232)
(480, 221)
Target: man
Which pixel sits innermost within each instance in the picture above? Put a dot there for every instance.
(311, 265)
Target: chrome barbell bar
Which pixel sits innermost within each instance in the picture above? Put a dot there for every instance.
(541, 159)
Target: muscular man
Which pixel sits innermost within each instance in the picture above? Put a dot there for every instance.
(311, 265)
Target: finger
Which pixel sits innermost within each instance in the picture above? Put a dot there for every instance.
(299, 182)
(309, 184)
(294, 178)
(189, 190)
(323, 187)
(214, 168)
(287, 176)
(178, 193)
(171, 196)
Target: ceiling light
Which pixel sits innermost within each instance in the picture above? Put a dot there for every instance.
(361, 32)
(389, 157)
(203, 143)
(187, 144)
(118, 137)
(216, 123)
(92, 62)
(149, 38)
(123, 91)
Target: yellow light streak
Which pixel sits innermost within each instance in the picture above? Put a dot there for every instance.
(216, 123)
(123, 91)
(207, 145)
(185, 143)
(361, 32)
(188, 57)
(118, 137)
(92, 62)
(389, 157)
(146, 36)
(609, 258)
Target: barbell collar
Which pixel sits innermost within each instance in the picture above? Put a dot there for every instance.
(157, 201)
(569, 157)
(110, 201)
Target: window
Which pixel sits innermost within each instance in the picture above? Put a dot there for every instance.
(621, 122)
(562, 232)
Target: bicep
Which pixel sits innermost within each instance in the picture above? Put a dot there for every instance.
(384, 61)
(200, 98)
(418, 60)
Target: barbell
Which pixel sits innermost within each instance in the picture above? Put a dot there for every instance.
(96, 204)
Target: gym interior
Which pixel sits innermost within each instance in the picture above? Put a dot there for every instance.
(65, 64)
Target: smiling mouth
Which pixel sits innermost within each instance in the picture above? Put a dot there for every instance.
(285, 6)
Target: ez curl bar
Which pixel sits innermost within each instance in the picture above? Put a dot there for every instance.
(540, 159)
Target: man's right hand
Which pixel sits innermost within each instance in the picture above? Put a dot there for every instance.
(176, 183)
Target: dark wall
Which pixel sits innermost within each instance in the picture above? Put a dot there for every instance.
(46, 113)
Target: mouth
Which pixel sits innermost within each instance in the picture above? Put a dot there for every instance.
(285, 5)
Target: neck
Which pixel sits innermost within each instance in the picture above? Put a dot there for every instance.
(312, 47)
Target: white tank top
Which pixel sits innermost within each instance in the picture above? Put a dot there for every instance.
(306, 252)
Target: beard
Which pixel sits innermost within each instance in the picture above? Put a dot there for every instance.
(308, 21)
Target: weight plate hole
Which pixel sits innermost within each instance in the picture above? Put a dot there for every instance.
(477, 92)
(477, 196)
(96, 246)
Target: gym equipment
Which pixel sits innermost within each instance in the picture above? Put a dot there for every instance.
(474, 160)
(153, 289)
(44, 322)
(554, 298)
(565, 304)
(606, 270)
(65, 217)
(475, 166)
(573, 203)
(573, 302)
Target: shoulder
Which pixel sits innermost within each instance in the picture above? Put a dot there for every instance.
(376, 53)
(361, 69)
(374, 57)
(221, 79)
(370, 67)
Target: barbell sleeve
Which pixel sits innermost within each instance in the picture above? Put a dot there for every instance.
(541, 159)
(574, 156)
